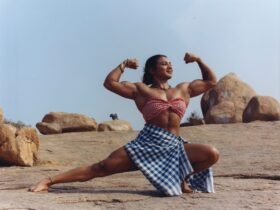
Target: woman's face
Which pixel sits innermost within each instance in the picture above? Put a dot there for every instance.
(163, 69)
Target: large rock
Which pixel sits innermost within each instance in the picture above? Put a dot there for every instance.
(18, 146)
(61, 122)
(1, 116)
(226, 102)
(264, 108)
(115, 125)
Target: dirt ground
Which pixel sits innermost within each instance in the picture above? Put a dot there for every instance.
(247, 175)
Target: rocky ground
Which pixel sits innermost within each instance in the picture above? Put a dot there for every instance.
(246, 177)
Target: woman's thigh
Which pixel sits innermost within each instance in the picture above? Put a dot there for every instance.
(117, 162)
(200, 153)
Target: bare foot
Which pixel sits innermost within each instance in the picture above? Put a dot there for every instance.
(186, 188)
(41, 186)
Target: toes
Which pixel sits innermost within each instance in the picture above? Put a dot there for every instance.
(30, 189)
(38, 189)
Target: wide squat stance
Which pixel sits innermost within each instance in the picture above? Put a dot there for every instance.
(170, 163)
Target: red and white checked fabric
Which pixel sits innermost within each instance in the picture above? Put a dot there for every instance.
(155, 106)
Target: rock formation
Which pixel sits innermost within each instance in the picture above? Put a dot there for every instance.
(264, 108)
(61, 122)
(226, 102)
(115, 125)
(18, 146)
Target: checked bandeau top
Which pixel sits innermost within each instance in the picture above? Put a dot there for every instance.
(153, 107)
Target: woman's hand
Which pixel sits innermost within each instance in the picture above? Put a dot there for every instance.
(131, 63)
(190, 58)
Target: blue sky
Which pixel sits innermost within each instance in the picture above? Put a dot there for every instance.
(55, 54)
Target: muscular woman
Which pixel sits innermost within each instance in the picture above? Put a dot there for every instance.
(170, 163)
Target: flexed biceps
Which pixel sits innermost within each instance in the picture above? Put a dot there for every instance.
(158, 151)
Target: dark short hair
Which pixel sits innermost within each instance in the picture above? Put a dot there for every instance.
(151, 63)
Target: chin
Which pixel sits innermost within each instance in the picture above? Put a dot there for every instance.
(168, 77)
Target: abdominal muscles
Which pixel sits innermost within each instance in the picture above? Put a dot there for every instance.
(168, 120)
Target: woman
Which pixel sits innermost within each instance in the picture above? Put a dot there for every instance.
(168, 162)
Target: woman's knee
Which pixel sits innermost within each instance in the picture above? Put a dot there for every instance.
(213, 154)
(101, 168)
(201, 153)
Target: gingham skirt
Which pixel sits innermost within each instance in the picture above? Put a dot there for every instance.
(161, 157)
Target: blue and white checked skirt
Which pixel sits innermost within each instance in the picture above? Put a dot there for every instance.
(161, 157)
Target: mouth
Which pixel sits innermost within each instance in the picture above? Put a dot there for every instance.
(169, 71)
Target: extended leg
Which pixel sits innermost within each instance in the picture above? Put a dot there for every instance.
(117, 162)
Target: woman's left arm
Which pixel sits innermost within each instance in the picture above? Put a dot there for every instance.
(208, 81)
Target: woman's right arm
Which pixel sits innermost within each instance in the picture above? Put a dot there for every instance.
(112, 81)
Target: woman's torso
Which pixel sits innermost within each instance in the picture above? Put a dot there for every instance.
(172, 103)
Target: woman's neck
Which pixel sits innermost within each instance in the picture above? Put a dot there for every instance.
(161, 85)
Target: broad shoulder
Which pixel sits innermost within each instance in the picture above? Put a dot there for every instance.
(139, 87)
(142, 86)
(184, 86)
(137, 84)
(134, 84)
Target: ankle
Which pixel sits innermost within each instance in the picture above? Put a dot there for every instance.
(49, 181)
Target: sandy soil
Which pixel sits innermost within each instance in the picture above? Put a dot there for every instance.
(246, 177)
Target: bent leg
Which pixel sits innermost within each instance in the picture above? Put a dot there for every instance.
(201, 156)
(117, 162)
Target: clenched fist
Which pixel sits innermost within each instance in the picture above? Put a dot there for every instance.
(190, 58)
(131, 63)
